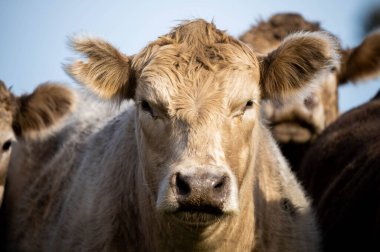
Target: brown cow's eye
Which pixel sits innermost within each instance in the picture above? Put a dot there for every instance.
(146, 107)
(249, 104)
(7, 145)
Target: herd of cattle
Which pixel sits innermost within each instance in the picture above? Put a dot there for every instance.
(203, 142)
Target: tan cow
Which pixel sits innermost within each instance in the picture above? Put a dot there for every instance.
(29, 117)
(296, 123)
(189, 167)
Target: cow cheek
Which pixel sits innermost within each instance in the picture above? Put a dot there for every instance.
(155, 147)
(238, 147)
(329, 99)
(155, 169)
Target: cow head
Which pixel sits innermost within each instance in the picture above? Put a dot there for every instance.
(30, 116)
(299, 121)
(197, 93)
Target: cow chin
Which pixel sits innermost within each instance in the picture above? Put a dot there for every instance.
(198, 217)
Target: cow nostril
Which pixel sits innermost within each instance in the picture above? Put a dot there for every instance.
(219, 184)
(310, 102)
(7, 145)
(183, 187)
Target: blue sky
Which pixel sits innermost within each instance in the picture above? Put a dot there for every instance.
(34, 33)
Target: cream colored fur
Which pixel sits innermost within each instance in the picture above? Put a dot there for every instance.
(104, 185)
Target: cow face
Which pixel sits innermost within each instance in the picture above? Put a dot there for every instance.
(196, 124)
(30, 116)
(197, 93)
(300, 120)
(7, 108)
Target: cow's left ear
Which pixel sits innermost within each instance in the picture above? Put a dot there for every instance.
(363, 61)
(295, 65)
(107, 72)
(41, 112)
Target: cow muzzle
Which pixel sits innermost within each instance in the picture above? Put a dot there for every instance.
(201, 197)
(206, 192)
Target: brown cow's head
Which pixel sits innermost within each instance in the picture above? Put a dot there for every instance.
(197, 93)
(29, 117)
(301, 120)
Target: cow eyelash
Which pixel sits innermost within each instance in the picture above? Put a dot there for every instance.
(146, 107)
(7, 145)
(248, 105)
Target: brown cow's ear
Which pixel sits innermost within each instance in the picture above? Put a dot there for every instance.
(42, 112)
(362, 62)
(107, 72)
(297, 63)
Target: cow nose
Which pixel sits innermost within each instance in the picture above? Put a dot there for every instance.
(201, 191)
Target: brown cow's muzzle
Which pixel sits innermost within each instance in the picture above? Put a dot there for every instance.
(201, 197)
(295, 121)
(297, 131)
(205, 192)
(198, 195)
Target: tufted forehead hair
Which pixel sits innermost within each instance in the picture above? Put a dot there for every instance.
(6, 97)
(190, 70)
(196, 44)
(7, 104)
(268, 34)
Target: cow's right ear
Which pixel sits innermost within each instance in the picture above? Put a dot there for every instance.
(106, 72)
(297, 63)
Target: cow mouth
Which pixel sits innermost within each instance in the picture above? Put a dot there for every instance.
(202, 215)
(298, 131)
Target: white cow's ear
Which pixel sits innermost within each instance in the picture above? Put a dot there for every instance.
(363, 61)
(295, 65)
(107, 72)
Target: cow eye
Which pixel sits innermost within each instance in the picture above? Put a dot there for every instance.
(249, 104)
(7, 145)
(146, 107)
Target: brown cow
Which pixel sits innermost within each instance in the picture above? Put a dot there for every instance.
(296, 123)
(29, 117)
(342, 173)
(189, 167)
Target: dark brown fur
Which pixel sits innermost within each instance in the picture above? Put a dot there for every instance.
(341, 174)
